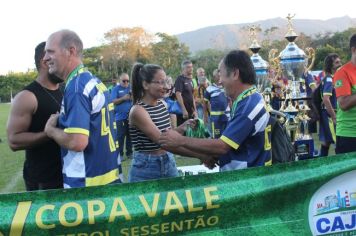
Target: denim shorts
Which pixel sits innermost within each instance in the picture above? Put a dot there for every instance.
(146, 166)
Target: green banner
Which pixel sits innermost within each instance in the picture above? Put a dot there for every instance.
(301, 198)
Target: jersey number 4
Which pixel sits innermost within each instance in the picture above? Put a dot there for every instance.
(105, 129)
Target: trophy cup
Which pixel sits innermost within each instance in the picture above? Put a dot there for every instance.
(293, 63)
(263, 84)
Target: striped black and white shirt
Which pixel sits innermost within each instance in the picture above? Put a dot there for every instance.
(160, 118)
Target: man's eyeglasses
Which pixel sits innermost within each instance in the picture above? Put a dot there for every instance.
(125, 81)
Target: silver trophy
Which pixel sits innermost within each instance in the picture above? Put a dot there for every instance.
(263, 83)
(260, 65)
(293, 61)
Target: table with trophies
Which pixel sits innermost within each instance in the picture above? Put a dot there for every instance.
(289, 65)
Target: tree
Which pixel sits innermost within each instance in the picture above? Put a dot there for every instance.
(124, 47)
(303, 41)
(169, 53)
(268, 34)
(93, 60)
(13, 82)
(332, 43)
(322, 52)
(208, 59)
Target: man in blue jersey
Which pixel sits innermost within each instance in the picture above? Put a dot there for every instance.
(87, 132)
(121, 95)
(327, 125)
(218, 104)
(246, 140)
(309, 85)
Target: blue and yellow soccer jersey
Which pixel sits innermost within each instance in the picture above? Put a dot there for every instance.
(219, 109)
(328, 89)
(309, 83)
(87, 109)
(248, 134)
(326, 125)
(218, 102)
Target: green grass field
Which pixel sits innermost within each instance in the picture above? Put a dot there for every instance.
(12, 162)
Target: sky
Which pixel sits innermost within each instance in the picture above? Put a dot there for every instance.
(26, 23)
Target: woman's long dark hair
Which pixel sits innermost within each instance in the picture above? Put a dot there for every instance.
(329, 62)
(139, 74)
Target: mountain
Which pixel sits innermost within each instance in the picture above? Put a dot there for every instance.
(236, 35)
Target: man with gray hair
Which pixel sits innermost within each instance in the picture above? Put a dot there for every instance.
(86, 133)
(184, 93)
(121, 95)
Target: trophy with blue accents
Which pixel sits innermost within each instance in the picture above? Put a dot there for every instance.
(293, 62)
(263, 83)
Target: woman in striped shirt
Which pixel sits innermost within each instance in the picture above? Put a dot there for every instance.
(147, 119)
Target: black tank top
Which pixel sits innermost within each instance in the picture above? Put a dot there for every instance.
(43, 163)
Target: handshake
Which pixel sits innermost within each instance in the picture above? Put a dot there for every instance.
(210, 162)
(175, 142)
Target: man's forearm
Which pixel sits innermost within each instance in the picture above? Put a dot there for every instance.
(347, 102)
(118, 101)
(212, 147)
(189, 153)
(194, 105)
(330, 110)
(180, 101)
(26, 140)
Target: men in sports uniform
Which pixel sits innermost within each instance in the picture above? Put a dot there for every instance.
(328, 107)
(345, 88)
(246, 139)
(87, 132)
(218, 104)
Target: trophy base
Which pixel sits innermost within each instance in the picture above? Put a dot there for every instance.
(304, 149)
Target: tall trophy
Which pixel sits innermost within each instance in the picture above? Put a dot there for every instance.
(293, 63)
(263, 83)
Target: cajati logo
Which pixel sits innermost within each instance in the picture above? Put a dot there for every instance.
(332, 209)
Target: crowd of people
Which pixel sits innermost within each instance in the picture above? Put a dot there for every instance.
(75, 131)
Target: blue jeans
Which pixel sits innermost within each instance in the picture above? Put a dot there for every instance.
(122, 132)
(148, 166)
